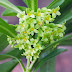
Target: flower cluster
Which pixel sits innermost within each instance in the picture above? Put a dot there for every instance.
(35, 29)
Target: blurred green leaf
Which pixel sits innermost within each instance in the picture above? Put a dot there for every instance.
(48, 57)
(25, 1)
(13, 27)
(67, 42)
(33, 4)
(8, 5)
(3, 41)
(68, 26)
(6, 29)
(8, 12)
(48, 66)
(15, 52)
(6, 55)
(8, 66)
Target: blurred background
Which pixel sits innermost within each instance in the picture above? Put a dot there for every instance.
(63, 61)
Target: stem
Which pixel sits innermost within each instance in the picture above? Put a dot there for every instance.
(32, 64)
(28, 64)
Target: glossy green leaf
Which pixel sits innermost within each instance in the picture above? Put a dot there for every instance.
(6, 55)
(8, 66)
(55, 3)
(3, 41)
(56, 42)
(8, 5)
(33, 4)
(6, 29)
(48, 57)
(8, 12)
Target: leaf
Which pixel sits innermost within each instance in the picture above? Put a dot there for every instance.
(55, 3)
(48, 66)
(13, 27)
(67, 42)
(8, 66)
(6, 55)
(33, 4)
(68, 26)
(3, 41)
(8, 5)
(10, 56)
(8, 12)
(15, 52)
(56, 42)
(48, 57)
(6, 29)
(67, 15)
(26, 2)
(66, 10)
(22, 8)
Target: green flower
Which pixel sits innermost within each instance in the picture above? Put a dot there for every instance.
(35, 29)
(55, 12)
(21, 15)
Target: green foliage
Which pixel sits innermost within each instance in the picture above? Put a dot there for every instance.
(66, 15)
(6, 29)
(48, 66)
(18, 60)
(15, 52)
(8, 12)
(8, 5)
(48, 57)
(55, 3)
(67, 42)
(68, 26)
(3, 41)
(8, 66)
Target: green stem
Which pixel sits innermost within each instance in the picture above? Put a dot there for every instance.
(28, 64)
(32, 64)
